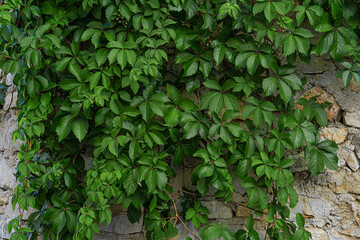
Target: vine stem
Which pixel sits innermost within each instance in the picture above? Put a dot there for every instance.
(247, 207)
(178, 217)
(193, 194)
(267, 229)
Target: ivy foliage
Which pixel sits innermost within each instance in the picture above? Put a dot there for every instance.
(114, 95)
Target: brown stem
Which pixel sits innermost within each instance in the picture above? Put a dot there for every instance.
(193, 194)
(267, 229)
(243, 205)
(178, 217)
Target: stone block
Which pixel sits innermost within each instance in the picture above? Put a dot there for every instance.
(121, 225)
(345, 149)
(7, 178)
(111, 236)
(318, 233)
(352, 119)
(337, 135)
(218, 210)
(352, 161)
(243, 212)
(183, 232)
(4, 234)
(323, 97)
(354, 86)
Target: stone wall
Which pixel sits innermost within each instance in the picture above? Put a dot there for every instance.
(330, 201)
(8, 151)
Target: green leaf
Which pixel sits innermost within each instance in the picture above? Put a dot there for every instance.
(158, 137)
(252, 63)
(231, 101)
(88, 33)
(269, 85)
(243, 168)
(75, 69)
(219, 53)
(71, 221)
(59, 222)
(172, 117)
(217, 103)
(212, 232)
(122, 58)
(285, 91)
(316, 162)
(174, 93)
(190, 130)
(324, 27)
(205, 171)
(289, 45)
(161, 180)
(212, 84)
(300, 220)
(129, 184)
(114, 147)
(64, 127)
(150, 180)
(80, 128)
(94, 80)
(337, 50)
(302, 44)
(62, 63)
(324, 44)
(133, 214)
(69, 180)
(270, 11)
(258, 117)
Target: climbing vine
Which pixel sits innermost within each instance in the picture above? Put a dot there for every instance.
(115, 95)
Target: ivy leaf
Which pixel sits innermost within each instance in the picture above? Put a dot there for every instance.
(75, 69)
(212, 232)
(219, 53)
(129, 184)
(206, 171)
(150, 180)
(252, 63)
(64, 127)
(71, 220)
(80, 128)
(290, 45)
(62, 63)
(59, 222)
(270, 11)
(269, 85)
(285, 91)
(337, 50)
(158, 137)
(217, 103)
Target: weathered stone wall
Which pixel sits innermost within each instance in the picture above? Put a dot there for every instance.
(8, 151)
(330, 201)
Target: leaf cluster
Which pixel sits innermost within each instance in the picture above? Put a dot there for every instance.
(116, 95)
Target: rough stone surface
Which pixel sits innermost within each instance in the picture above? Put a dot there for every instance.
(329, 201)
(353, 162)
(121, 225)
(352, 119)
(218, 210)
(242, 211)
(337, 135)
(323, 97)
